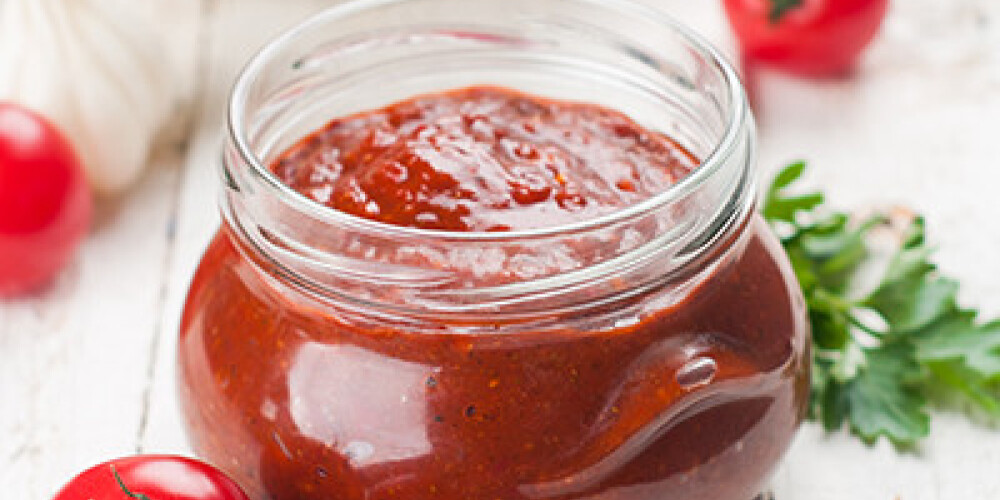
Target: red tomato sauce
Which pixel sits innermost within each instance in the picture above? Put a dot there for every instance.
(483, 159)
(693, 401)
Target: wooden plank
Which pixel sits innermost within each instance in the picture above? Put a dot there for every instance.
(75, 357)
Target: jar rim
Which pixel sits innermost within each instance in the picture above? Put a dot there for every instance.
(736, 118)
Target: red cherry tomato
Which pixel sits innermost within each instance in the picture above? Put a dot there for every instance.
(807, 37)
(151, 477)
(45, 203)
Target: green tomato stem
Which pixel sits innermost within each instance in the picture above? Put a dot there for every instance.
(121, 484)
(779, 8)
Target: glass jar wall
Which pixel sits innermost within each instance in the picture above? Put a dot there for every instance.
(656, 352)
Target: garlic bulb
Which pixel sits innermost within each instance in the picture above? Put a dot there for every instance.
(99, 69)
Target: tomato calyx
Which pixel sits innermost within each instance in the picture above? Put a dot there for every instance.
(809, 38)
(778, 8)
(152, 477)
(121, 484)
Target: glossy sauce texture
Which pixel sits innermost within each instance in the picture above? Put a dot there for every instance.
(483, 159)
(298, 400)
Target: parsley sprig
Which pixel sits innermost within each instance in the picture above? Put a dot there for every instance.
(881, 354)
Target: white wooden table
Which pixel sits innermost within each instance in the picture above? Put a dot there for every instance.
(87, 367)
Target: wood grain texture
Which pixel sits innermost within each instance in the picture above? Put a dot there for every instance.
(87, 367)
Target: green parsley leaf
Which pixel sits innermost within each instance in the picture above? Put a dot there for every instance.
(964, 382)
(911, 295)
(913, 303)
(781, 207)
(838, 252)
(878, 376)
(958, 338)
(883, 399)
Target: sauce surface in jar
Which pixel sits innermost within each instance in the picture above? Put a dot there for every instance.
(690, 400)
(483, 159)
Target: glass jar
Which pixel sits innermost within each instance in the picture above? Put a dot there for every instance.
(658, 352)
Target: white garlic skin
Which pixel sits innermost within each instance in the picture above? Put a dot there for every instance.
(100, 70)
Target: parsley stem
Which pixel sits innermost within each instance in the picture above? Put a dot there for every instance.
(863, 327)
(839, 303)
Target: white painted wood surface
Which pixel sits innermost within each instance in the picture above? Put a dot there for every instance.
(87, 366)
